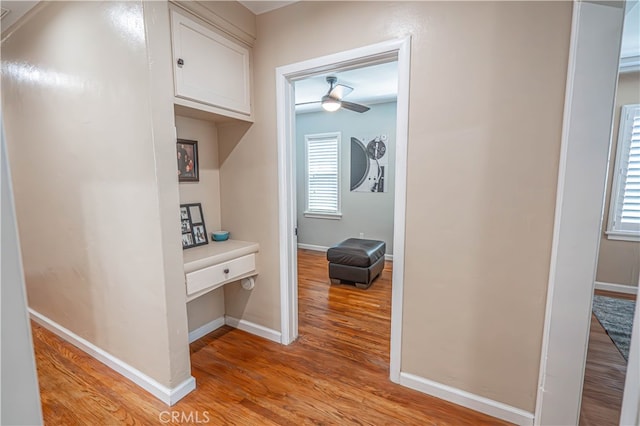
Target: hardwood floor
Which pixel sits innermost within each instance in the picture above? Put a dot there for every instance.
(604, 376)
(335, 373)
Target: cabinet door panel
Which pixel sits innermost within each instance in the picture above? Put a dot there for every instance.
(215, 70)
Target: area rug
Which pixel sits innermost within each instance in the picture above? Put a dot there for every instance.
(616, 316)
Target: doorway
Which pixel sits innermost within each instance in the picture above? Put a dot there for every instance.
(345, 169)
(286, 76)
(591, 80)
(617, 266)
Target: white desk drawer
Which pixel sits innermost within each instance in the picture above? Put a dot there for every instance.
(216, 275)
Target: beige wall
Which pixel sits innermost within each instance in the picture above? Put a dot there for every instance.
(619, 261)
(206, 191)
(93, 160)
(105, 261)
(486, 77)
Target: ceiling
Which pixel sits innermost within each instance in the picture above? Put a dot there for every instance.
(259, 7)
(16, 10)
(371, 84)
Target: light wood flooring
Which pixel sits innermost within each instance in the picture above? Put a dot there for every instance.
(604, 376)
(335, 373)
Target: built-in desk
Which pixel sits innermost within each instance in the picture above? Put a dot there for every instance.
(218, 263)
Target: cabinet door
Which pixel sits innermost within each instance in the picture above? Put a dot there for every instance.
(209, 68)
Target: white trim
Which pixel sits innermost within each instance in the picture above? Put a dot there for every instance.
(253, 328)
(287, 206)
(623, 236)
(588, 113)
(21, 399)
(324, 249)
(398, 49)
(617, 288)
(167, 395)
(316, 215)
(400, 206)
(205, 329)
(467, 399)
(616, 229)
(180, 391)
(312, 247)
(629, 64)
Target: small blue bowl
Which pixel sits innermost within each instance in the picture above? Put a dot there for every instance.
(220, 235)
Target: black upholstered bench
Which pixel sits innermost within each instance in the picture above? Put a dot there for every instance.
(356, 261)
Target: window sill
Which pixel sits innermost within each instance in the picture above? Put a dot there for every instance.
(331, 216)
(623, 236)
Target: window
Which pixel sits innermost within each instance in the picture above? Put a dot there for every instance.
(323, 175)
(624, 214)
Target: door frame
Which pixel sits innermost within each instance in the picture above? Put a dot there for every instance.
(286, 76)
(592, 76)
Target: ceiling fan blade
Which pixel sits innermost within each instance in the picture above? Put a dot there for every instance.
(354, 107)
(339, 91)
(308, 103)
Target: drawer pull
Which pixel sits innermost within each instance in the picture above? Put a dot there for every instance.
(226, 270)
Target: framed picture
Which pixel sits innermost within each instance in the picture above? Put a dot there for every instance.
(187, 154)
(199, 234)
(192, 226)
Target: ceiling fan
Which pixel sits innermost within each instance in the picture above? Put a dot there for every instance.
(333, 100)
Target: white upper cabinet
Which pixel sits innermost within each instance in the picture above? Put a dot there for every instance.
(209, 68)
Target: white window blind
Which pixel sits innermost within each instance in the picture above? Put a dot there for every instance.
(624, 214)
(323, 174)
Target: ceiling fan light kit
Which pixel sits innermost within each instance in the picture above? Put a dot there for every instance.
(332, 101)
(330, 104)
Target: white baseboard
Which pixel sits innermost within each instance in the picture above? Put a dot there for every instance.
(253, 328)
(617, 288)
(205, 329)
(180, 391)
(312, 247)
(163, 393)
(467, 399)
(324, 249)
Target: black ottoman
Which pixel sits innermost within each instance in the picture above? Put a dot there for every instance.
(356, 261)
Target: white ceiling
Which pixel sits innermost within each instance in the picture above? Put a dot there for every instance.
(16, 10)
(259, 7)
(371, 84)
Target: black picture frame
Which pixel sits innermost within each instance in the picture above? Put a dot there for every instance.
(194, 232)
(187, 156)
